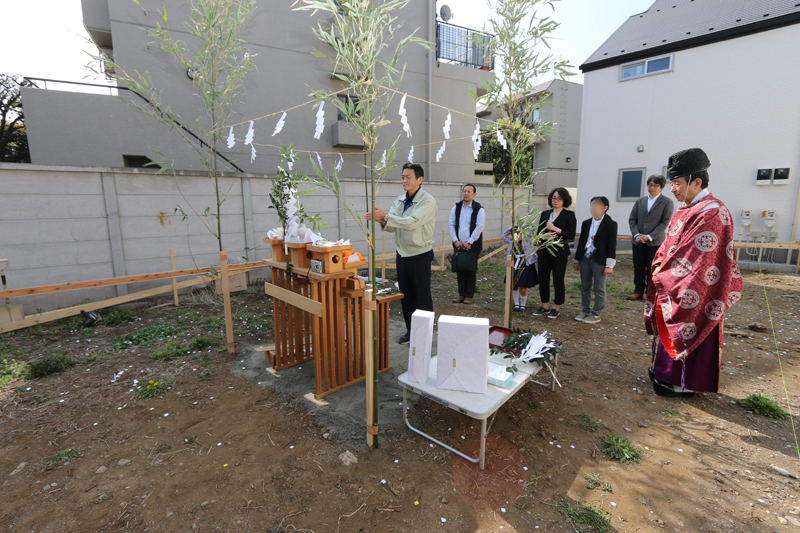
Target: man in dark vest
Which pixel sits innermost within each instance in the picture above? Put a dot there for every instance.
(467, 220)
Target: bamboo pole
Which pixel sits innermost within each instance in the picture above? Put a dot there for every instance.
(370, 368)
(226, 299)
(509, 288)
(174, 279)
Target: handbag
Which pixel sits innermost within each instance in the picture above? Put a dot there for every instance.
(463, 261)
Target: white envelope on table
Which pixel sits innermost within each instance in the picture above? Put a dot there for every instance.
(463, 354)
(419, 347)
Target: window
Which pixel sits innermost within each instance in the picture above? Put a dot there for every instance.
(138, 161)
(631, 184)
(533, 120)
(347, 100)
(647, 67)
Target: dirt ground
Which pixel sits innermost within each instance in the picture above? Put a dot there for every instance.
(224, 450)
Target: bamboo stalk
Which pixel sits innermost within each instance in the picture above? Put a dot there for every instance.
(371, 370)
(509, 289)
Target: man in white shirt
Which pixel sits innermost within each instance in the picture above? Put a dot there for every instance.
(648, 223)
(467, 220)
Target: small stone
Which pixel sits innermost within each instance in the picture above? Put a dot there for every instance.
(46, 487)
(53, 485)
(124, 462)
(444, 500)
(347, 458)
(205, 503)
(169, 513)
(783, 521)
(326, 435)
(18, 469)
(100, 470)
(783, 472)
(627, 430)
(793, 521)
(758, 326)
(796, 510)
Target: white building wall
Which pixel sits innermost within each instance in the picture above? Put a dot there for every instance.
(735, 99)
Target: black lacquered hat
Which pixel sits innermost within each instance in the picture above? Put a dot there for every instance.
(687, 162)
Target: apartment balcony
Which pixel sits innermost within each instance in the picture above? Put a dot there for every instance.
(465, 47)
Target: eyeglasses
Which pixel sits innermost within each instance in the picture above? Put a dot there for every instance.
(556, 199)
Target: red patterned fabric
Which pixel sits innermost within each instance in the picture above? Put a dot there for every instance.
(695, 278)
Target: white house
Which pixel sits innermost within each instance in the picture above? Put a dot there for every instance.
(722, 75)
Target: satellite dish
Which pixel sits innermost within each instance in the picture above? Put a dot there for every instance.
(445, 13)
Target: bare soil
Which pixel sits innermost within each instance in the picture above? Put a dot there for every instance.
(222, 452)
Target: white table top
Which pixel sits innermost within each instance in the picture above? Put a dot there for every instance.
(474, 405)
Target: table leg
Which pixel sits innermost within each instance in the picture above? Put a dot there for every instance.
(482, 456)
(479, 459)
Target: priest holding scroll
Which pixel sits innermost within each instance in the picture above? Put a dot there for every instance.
(695, 279)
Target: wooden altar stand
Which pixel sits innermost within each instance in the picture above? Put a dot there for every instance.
(318, 318)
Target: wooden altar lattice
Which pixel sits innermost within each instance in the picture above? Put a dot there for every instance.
(317, 317)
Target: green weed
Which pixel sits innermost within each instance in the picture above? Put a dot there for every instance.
(49, 365)
(143, 337)
(586, 517)
(620, 449)
(152, 388)
(63, 456)
(763, 405)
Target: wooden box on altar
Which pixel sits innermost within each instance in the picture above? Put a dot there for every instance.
(331, 256)
(299, 255)
(278, 252)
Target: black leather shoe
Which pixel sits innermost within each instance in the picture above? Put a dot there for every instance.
(405, 338)
(665, 389)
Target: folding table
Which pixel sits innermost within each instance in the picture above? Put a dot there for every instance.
(476, 406)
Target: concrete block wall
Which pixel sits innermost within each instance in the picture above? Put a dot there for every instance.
(66, 224)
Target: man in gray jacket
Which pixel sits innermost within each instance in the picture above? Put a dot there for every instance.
(648, 222)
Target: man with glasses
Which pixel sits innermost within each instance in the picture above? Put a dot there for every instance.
(411, 218)
(467, 220)
(648, 223)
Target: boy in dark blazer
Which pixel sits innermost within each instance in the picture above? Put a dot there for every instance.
(595, 258)
(648, 222)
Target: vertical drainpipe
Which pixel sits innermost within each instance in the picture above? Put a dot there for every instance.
(430, 17)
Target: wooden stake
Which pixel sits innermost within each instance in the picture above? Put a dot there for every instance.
(444, 244)
(226, 298)
(509, 289)
(174, 280)
(383, 263)
(370, 367)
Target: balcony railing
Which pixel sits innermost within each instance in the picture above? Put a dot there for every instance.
(463, 46)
